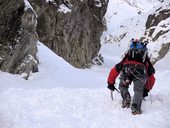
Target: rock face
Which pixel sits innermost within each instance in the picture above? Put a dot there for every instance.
(71, 28)
(18, 37)
(158, 29)
(154, 21)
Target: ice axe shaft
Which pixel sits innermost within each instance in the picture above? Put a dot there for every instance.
(112, 93)
(117, 90)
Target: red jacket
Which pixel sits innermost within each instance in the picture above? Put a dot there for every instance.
(118, 67)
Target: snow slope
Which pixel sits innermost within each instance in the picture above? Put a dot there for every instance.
(53, 72)
(64, 104)
(121, 10)
(61, 96)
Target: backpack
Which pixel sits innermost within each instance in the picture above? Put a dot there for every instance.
(138, 51)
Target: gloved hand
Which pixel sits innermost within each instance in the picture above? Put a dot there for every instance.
(111, 87)
(145, 92)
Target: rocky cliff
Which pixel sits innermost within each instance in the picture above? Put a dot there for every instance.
(71, 28)
(158, 29)
(18, 37)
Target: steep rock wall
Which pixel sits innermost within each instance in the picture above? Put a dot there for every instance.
(71, 28)
(158, 29)
(18, 37)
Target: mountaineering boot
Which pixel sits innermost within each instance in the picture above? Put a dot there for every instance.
(135, 109)
(126, 101)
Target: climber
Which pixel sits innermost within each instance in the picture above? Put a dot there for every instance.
(134, 67)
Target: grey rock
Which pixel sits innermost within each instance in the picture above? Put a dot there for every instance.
(163, 51)
(155, 30)
(154, 19)
(18, 38)
(73, 34)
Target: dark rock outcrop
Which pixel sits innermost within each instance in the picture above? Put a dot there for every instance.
(158, 29)
(71, 28)
(163, 51)
(18, 37)
(154, 19)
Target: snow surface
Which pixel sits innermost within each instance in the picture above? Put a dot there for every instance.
(28, 5)
(64, 9)
(49, 0)
(121, 10)
(61, 96)
(98, 3)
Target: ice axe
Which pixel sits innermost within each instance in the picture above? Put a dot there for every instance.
(112, 93)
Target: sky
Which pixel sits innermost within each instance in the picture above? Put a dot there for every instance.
(61, 96)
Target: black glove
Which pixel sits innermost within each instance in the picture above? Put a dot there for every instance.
(111, 87)
(145, 92)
